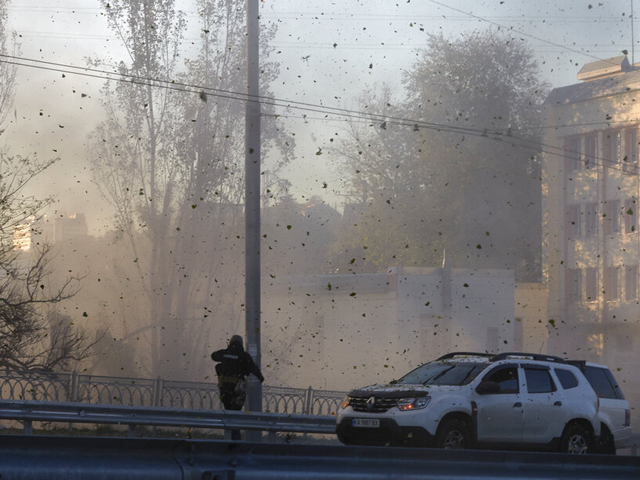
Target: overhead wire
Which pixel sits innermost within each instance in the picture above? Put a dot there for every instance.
(305, 106)
(229, 94)
(519, 32)
(497, 135)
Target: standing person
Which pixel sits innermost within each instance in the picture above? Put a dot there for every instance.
(234, 364)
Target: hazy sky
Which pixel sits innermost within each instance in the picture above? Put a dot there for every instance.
(329, 51)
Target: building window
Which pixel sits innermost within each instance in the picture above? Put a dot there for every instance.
(591, 219)
(591, 284)
(631, 282)
(615, 140)
(574, 285)
(630, 216)
(575, 221)
(590, 151)
(611, 283)
(610, 217)
(572, 148)
(630, 159)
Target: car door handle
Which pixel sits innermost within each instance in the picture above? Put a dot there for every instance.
(517, 404)
(557, 404)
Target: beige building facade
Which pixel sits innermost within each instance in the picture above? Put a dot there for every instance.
(343, 331)
(591, 243)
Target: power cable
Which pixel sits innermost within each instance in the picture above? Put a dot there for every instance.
(564, 47)
(229, 94)
(497, 135)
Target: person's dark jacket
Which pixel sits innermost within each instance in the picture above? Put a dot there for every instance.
(235, 363)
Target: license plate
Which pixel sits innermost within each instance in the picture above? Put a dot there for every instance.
(365, 422)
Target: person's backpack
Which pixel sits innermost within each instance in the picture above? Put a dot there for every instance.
(241, 387)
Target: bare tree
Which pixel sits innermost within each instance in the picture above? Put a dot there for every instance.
(33, 335)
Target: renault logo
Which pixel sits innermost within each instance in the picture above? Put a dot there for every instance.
(371, 402)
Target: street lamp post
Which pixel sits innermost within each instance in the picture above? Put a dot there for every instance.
(252, 203)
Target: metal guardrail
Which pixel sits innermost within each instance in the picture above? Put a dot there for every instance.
(73, 458)
(104, 390)
(29, 412)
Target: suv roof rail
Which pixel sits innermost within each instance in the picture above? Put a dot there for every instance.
(533, 356)
(581, 364)
(465, 354)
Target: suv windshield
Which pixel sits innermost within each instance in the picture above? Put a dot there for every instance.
(443, 373)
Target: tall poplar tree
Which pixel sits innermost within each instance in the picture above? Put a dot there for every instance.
(170, 159)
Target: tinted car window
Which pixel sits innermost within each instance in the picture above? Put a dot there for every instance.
(603, 382)
(567, 378)
(443, 373)
(539, 380)
(506, 377)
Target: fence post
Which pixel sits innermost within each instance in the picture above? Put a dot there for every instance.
(157, 394)
(308, 401)
(73, 392)
(156, 401)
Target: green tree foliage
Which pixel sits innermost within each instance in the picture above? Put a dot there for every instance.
(465, 178)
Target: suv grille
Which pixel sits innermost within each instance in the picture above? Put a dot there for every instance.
(377, 405)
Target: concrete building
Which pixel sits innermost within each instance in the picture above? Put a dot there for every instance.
(591, 243)
(342, 331)
(64, 228)
(50, 230)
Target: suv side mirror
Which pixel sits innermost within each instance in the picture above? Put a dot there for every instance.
(488, 387)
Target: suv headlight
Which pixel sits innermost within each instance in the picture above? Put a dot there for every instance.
(406, 404)
(345, 402)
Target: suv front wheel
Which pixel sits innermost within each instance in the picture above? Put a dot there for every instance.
(576, 440)
(453, 433)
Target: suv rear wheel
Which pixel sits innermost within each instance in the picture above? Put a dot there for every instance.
(453, 433)
(576, 440)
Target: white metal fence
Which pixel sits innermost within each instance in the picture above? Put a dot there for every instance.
(145, 392)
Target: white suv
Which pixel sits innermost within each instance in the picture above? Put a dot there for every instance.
(469, 400)
(614, 411)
